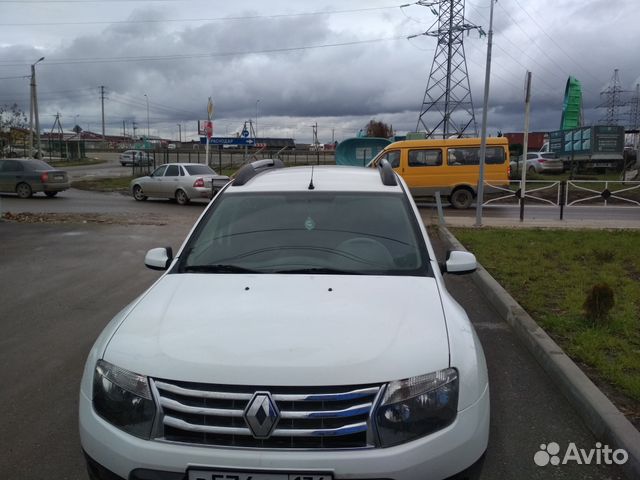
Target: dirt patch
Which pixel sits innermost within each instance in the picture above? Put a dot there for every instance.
(107, 219)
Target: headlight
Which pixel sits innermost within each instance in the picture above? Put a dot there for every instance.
(417, 406)
(123, 398)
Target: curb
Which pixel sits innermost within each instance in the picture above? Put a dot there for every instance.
(602, 417)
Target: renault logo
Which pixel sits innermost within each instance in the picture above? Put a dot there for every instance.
(261, 415)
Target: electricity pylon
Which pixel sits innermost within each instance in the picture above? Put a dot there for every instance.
(447, 107)
(612, 100)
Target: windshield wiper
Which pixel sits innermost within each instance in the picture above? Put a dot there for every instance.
(219, 269)
(319, 270)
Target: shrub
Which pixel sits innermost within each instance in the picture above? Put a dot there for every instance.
(599, 302)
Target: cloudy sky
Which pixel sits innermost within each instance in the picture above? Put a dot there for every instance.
(295, 63)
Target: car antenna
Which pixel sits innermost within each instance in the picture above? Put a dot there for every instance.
(311, 186)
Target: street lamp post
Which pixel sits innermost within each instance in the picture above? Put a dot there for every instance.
(34, 109)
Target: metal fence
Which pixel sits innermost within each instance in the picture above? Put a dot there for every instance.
(608, 193)
(569, 193)
(224, 160)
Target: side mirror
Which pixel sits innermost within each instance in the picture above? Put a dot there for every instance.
(159, 258)
(459, 262)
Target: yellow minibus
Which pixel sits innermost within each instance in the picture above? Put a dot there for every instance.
(450, 166)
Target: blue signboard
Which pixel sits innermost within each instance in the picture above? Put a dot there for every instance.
(228, 141)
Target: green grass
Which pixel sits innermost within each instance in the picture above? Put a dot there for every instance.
(114, 184)
(549, 272)
(76, 163)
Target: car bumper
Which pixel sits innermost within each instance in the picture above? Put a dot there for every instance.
(51, 187)
(556, 167)
(198, 192)
(436, 456)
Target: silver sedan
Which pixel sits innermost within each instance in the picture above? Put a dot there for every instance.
(182, 181)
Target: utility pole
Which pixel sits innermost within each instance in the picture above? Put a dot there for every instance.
(179, 132)
(146, 96)
(34, 110)
(124, 130)
(525, 143)
(102, 101)
(448, 91)
(316, 143)
(60, 131)
(135, 127)
(483, 135)
(257, 102)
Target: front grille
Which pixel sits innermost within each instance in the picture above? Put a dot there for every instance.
(310, 417)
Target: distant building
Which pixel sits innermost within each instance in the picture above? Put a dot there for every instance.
(535, 141)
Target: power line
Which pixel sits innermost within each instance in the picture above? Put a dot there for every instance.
(534, 43)
(70, 61)
(96, 1)
(200, 19)
(554, 42)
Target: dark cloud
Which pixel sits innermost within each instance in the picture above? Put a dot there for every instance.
(340, 87)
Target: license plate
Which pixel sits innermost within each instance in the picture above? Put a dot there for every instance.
(224, 475)
(58, 177)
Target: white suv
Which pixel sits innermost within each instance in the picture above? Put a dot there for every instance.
(302, 332)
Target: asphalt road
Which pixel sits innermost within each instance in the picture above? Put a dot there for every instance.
(61, 283)
(80, 201)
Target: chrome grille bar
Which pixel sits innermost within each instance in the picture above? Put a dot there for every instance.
(323, 432)
(182, 425)
(345, 412)
(203, 393)
(309, 417)
(180, 407)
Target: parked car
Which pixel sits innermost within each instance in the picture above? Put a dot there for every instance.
(180, 181)
(28, 176)
(303, 331)
(538, 163)
(136, 157)
(171, 146)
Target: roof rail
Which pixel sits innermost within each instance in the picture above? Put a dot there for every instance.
(387, 174)
(252, 169)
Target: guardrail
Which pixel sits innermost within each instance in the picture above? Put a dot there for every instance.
(565, 194)
(605, 194)
(544, 191)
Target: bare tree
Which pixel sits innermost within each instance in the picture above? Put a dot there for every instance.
(380, 129)
(12, 119)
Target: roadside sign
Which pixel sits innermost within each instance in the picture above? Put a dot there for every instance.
(228, 141)
(245, 133)
(210, 109)
(587, 140)
(205, 127)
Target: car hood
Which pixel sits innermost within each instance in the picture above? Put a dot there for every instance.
(284, 329)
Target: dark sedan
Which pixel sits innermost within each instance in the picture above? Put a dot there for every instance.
(26, 177)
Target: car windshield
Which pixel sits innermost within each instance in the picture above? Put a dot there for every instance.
(308, 232)
(199, 170)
